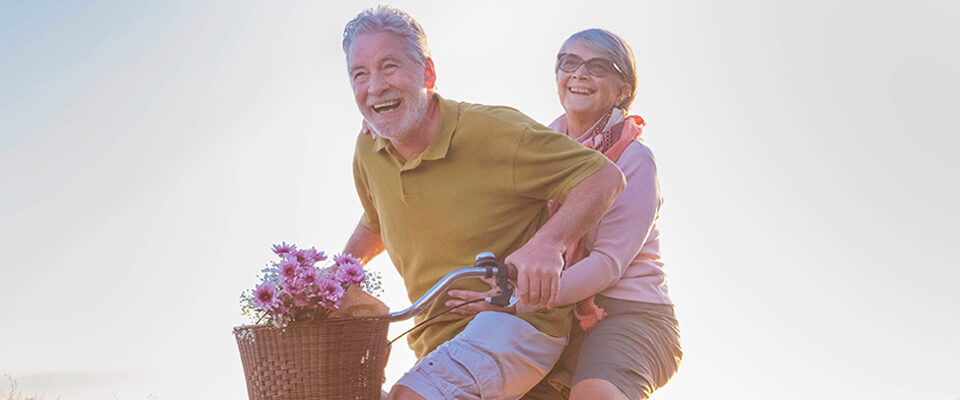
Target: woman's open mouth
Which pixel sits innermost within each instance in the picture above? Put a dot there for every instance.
(583, 91)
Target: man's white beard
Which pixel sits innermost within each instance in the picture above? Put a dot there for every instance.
(416, 111)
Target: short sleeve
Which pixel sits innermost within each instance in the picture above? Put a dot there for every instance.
(370, 218)
(547, 165)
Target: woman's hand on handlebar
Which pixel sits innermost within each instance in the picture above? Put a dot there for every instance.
(462, 296)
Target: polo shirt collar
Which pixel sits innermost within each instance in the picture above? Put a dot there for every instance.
(440, 143)
(449, 114)
(379, 143)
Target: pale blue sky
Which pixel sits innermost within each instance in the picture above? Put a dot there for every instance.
(150, 154)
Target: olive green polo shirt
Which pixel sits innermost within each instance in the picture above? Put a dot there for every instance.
(481, 185)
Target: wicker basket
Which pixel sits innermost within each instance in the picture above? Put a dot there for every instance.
(325, 359)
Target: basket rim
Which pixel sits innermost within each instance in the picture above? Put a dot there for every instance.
(314, 321)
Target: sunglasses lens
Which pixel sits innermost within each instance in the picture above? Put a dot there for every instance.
(599, 68)
(569, 63)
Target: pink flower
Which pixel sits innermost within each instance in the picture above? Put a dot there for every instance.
(330, 291)
(320, 256)
(301, 255)
(284, 248)
(288, 269)
(306, 263)
(309, 276)
(346, 258)
(351, 273)
(265, 296)
(292, 286)
(311, 254)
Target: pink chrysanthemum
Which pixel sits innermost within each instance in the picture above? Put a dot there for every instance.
(288, 269)
(351, 273)
(345, 258)
(309, 276)
(330, 291)
(265, 296)
(307, 263)
(311, 254)
(292, 286)
(284, 248)
(320, 256)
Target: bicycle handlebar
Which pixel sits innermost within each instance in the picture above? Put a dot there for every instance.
(486, 266)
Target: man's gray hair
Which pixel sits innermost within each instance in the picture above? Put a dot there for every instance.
(384, 18)
(616, 50)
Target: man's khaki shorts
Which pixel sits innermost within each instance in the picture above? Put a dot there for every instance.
(496, 356)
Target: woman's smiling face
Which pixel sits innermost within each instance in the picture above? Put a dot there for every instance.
(585, 94)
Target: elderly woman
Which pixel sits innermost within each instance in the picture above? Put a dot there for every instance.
(627, 343)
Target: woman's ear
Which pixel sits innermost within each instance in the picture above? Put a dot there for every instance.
(625, 92)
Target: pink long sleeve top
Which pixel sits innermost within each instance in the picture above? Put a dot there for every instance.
(624, 258)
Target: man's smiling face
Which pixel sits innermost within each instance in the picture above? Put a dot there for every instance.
(389, 85)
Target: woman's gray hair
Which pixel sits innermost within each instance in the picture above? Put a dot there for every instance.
(616, 50)
(384, 18)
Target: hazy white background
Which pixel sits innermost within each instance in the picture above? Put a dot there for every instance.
(151, 153)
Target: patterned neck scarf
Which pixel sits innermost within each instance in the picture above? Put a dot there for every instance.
(607, 135)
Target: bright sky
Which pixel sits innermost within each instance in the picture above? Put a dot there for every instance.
(150, 154)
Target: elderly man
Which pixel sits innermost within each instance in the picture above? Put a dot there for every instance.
(443, 180)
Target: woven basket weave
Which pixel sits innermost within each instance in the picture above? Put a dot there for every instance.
(325, 359)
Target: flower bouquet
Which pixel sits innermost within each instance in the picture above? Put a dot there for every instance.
(316, 332)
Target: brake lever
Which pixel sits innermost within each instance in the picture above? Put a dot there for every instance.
(495, 268)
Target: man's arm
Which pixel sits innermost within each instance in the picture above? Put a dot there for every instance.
(364, 244)
(540, 260)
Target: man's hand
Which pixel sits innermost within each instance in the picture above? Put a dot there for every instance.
(540, 260)
(538, 266)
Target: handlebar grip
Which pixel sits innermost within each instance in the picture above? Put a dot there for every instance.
(503, 272)
(489, 261)
(511, 271)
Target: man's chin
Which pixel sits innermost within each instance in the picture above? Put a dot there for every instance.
(387, 133)
(391, 131)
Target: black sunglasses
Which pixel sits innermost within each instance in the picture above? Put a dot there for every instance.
(597, 67)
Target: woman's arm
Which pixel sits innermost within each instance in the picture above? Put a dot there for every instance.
(622, 231)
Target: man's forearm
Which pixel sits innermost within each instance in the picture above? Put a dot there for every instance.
(585, 205)
(540, 260)
(364, 244)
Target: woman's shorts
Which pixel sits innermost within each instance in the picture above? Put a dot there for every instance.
(636, 347)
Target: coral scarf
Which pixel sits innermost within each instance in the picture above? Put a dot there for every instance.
(610, 135)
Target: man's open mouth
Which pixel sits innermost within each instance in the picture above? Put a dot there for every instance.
(386, 106)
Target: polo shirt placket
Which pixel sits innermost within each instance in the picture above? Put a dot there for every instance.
(408, 174)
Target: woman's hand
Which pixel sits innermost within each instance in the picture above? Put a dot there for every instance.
(463, 296)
